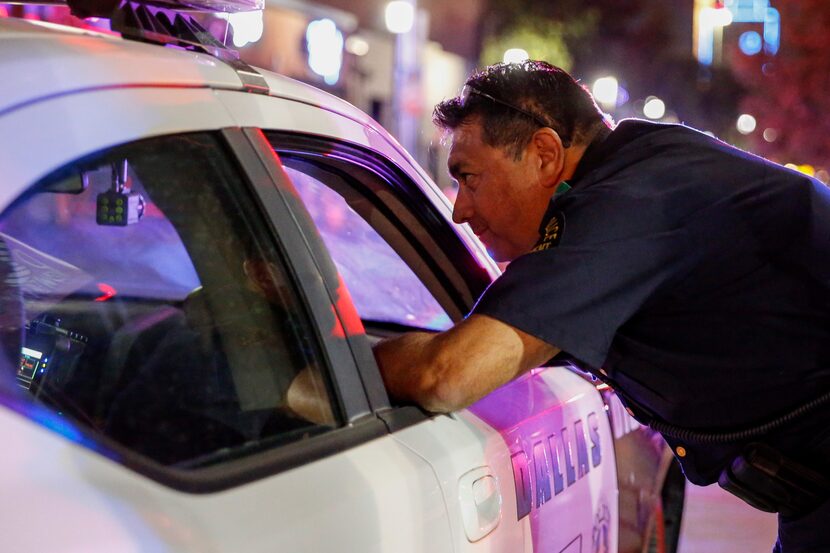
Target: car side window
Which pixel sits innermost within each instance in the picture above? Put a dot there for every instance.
(383, 286)
(158, 310)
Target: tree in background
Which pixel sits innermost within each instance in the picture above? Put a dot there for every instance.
(646, 45)
(543, 38)
(788, 93)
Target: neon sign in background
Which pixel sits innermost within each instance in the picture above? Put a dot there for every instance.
(711, 22)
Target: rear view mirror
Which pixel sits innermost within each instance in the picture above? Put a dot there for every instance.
(74, 183)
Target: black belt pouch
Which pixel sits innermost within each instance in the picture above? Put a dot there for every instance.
(771, 482)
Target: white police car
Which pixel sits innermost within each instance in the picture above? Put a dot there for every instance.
(196, 258)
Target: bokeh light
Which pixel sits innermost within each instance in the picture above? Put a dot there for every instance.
(357, 45)
(400, 16)
(325, 49)
(606, 90)
(247, 26)
(746, 124)
(750, 43)
(654, 108)
(515, 55)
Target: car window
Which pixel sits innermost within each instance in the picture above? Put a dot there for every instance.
(158, 312)
(383, 287)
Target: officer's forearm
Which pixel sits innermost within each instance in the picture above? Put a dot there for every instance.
(453, 369)
(411, 371)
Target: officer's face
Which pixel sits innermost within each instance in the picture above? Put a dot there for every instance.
(502, 199)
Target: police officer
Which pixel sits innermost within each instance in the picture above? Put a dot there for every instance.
(692, 276)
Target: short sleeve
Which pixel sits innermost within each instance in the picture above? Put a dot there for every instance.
(614, 253)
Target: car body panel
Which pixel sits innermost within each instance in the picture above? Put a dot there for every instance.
(72, 126)
(643, 461)
(66, 61)
(60, 496)
(526, 434)
(561, 449)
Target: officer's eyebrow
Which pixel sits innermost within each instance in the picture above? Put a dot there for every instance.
(455, 169)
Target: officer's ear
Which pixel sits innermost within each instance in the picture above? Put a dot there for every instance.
(551, 155)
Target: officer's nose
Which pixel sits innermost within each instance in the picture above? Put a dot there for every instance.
(462, 209)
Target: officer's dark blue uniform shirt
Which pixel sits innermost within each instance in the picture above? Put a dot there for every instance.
(697, 276)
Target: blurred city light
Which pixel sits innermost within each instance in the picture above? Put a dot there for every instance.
(772, 31)
(750, 43)
(400, 16)
(715, 17)
(357, 45)
(247, 26)
(622, 96)
(711, 22)
(746, 124)
(759, 11)
(606, 90)
(722, 17)
(807, 169)
(325, 49)
(770, 135)
(515, 55)
(654, 108)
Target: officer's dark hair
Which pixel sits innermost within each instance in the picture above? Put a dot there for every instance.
(514, 100)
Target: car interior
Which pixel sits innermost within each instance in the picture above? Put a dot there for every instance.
(160, 316)
(141, 322)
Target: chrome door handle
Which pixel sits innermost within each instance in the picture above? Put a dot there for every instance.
(480, 501)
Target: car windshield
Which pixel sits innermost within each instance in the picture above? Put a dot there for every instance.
(57, 237)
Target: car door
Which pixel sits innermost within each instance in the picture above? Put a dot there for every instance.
(530, 467)
(151, 409)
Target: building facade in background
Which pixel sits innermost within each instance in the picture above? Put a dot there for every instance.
(395, 78)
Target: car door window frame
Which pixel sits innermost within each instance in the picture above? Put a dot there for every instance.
(359, 165)
(335, 358)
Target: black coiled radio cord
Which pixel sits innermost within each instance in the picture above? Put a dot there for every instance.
(704, 437)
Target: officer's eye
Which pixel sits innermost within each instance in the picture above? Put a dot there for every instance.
(465, 176)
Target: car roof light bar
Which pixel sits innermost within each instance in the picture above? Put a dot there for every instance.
(160, 26)
(139, 21)
(105, 8)
(166, 22)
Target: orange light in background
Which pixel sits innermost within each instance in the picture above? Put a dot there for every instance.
(807, 169)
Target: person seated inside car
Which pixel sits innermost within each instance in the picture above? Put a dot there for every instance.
(184, 402)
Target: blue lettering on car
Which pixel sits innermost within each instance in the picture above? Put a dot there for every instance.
(550, 456)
